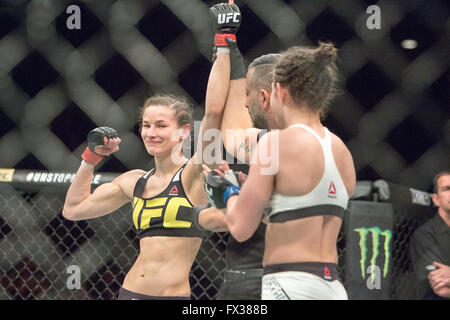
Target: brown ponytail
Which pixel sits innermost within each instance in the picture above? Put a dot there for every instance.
(326, 54)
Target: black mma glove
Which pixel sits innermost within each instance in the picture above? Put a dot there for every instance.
(94, 139)
(219, 189)
(226, 20)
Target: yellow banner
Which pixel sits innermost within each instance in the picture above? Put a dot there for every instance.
(6, 175)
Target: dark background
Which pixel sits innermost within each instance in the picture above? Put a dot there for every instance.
(57, 84)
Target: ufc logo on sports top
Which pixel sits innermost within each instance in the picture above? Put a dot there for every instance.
(225, 18)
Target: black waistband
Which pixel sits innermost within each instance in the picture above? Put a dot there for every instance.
(233, 275)
(325, 270)
(319, 210)
(125, 294)
(171, 232)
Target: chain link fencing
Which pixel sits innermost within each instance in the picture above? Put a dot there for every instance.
(56, 84)
(40, 249)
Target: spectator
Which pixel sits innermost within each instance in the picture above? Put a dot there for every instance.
(430, 246)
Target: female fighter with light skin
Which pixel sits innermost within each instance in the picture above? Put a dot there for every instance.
(166, 254)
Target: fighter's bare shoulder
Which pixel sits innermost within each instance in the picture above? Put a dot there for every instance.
(127, 181)
(339, 145)
(344, 162)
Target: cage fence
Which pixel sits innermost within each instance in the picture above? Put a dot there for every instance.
(40, 249)
(56, 84)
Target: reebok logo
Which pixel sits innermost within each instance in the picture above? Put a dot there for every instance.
(332, 190)
(226, 18)
(326, 273)
(174, 191)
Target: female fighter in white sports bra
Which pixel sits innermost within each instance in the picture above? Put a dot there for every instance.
(310, 189)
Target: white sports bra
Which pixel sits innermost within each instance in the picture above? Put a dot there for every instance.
(329, 197)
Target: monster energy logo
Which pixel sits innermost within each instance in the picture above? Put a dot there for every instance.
(376, 233)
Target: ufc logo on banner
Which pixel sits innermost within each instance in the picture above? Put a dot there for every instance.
(226, 18)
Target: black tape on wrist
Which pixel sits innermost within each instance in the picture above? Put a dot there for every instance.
(196, 215)
(237, 64)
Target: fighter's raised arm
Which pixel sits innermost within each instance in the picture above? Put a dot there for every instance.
(237, 132)
(226, 21)
(80, 203)
(247, 113)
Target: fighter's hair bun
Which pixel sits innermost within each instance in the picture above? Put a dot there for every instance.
(326, 53)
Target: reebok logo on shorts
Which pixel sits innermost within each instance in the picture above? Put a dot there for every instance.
(326, 273)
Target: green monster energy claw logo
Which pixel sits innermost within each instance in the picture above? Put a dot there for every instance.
(376, 233)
